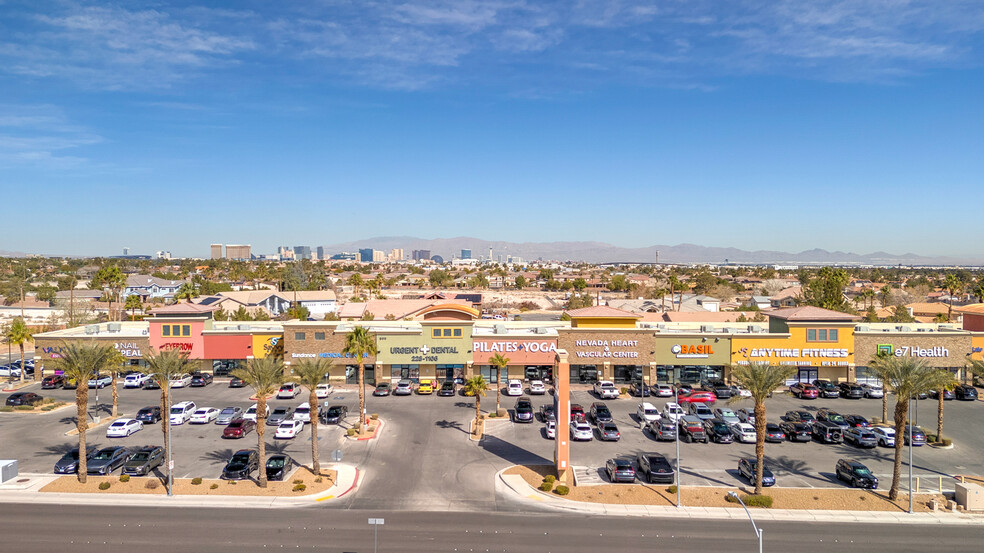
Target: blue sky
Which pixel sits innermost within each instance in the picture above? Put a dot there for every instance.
(789, 125)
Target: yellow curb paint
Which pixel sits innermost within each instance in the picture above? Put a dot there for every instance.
(536, 497)
(324, 498)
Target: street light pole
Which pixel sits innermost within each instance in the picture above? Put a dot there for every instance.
(910, 460)
(676, 432)
(170, 463)
(376, 523)
(758, 531)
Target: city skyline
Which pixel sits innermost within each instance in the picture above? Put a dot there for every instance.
(845, 126)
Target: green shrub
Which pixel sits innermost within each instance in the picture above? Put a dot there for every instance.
(671, 489)
(562, 490)
(623, 390)
(299, 488)
(374, 416)
(297, 481)
(49, 407)
(124, 478)
(233, 482)
(6, 409)
(550, 478)
(493, 415)
(24, 407)
(213, 486)
(351, 431)
(48, 400)
(196, 481)
(319, 480)
(104, 485)
(546, 486)
(752, 500)
(151, 484)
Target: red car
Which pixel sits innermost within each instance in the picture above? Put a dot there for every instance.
(577, 412)
(804, 390)
(698, 397)
(238, 428)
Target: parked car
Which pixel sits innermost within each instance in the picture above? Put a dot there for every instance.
(149, 414)
(717, 431)
(204, 415)
(448, 389)
(382, 390)
(200, 380)
(24, 398)
(799, 416)
(620, 470)
(747, 467)
(514, 388)
(827, 432)
(228, 414)
(662, 390)
(691, 429)
(796, 431)
(581, 431)
(700, 410)
(647, 412)
(334, 414)
(873, 391)
(683, 389)
(698, 396)
(279, 415)
(857, 420)
(860, 437)
(181, 412)
(279, 466)
(719, 389)
(547, 413)
(152, 384)
(577, 412)
(241, 465)
(920, 395)
(288, 429)
(743, 432)
(523, 411)
(830, 415)
(856, 474)
(238, 428)
(303, 413)
(69, 462)
(851, 390)
(948, 395)
(639, 389)
(52, 381)
(108, 459)
(746, 415)
(403, 388)
(425, 387)
(550, 427)
(918, 436)
(537, 388)
(965, 392)
(236, 382)
(774, 433)
(144, 460)
(672, 411)
(70, 384)
(180, 381)
(827, 388)
(600, 413)
(123, 428)
(135, 380)
(288, 390)
(727, 415)
(738, 391)
(804, 390)
(655, 469)
(608, 432)
(662, 431)
(322, 391)
(250, 413)
(100, 381)
(885, 435)
(605, 389)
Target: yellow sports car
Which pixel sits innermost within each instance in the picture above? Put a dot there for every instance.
(425, 387)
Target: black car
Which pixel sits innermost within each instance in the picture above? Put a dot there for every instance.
(829, 415)
(334, 414)
(620, 470)
(720, 389)
(24, 398)
(448, 389)
(547, 413)
(152, 384)
(523, 412)
(774, 433)
(746, 468)
(52, 381)
(146, 459)
(856, 474)
(717, 431)
(684, 389)
(654, 468)
(107, 460)
(803, 417)
(150, 414)
(69, 462)
(600, 413)
(279, 466)
(200, 380)
(241, 465)
(857, 421)
(796, 431)
(639, 389)
(236, 382)
(827, 388)
(965, 392)
(948, 395)
(851, 390)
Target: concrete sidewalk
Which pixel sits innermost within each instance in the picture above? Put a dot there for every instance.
(517, 487)
(27, 489)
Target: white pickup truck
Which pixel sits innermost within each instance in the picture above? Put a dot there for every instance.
(605, 389)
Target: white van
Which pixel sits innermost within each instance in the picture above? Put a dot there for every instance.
(181, 412)
(647, 412)
(135, 380)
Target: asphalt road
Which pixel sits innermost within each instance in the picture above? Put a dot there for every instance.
(84, 529)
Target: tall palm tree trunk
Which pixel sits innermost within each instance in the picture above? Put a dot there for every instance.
(884, 404)
(260, 432)
(901, 412)
(82, 424)
(116, 395)
(315, 462)
(362, 397)
(478, 413)
(759, 445)
(23, 369)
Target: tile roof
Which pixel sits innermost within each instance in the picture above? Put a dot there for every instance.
(184, 308)
(811, 313)
(791, 292)
(602, 311)
(974, 308)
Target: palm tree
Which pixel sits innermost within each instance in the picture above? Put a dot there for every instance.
(761, 379)
(675, 284)
(79, 362)
(907, 377)
(264, 376)
(499, 362)
(309, 373)
(163, 367)
(361, 344)
(947, 382)
(17, 334)
(877, 367)
(186, 291)
(133, 303)
(476, 386)
(114, 368)
(952, 284)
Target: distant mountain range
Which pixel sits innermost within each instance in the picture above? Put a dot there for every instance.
(600, 252)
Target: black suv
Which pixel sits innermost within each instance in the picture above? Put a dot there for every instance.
(716, 430)
(448, 389)
(851, 390)
(830, 415)
(200, 380)
(827, 388)
(720, 389)
(639, 389)
(150, 414)
(242, 464)
(600, 413)
(654, 468)
(333, 415)
(965, 392)
(856, 474)
(523, 412)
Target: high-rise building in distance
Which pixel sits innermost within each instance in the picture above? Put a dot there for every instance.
(321, 252)
(238, 251)
(302, 252)
(466, 254)
(365, 255)
(421, 255)
(216, 251)
(396, 254)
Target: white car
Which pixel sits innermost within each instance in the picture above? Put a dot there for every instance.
(288, 391)
(551, 428)
(885, 434)
(121, 428)
(740, 392)
(581, 431)
(99, 382)
(743, 432)
(181, 412)
(303, 412)
(663, 390)
(323, 390)
(537, 388)
(605, 389)
(727, 415)
(181, 381)
(673, 411)
(873, 391)
(288, 429)
(204, 415)
(514, 388)
(647, 412)
(251, 412)
(135, 380)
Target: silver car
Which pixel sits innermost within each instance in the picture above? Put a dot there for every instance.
(227, 414)
(860, 437)
(403, 388)
(662, 430)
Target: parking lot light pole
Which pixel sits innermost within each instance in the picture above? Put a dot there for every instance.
(677, 434)
(375, 523)
(170, 463)
(910, 458)
(758, 531)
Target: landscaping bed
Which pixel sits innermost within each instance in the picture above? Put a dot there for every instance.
(46, 406)
(184, 486)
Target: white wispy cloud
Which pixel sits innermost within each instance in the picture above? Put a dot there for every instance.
(42, 135)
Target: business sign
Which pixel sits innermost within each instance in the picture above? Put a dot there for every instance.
(606, 349)
(54, 352)
(407, 350)
(130, 350)
(177, 346)
(800, 357)
(326, 355)
(695, 351)
(518, 351)
(912, 351)
(268, 345)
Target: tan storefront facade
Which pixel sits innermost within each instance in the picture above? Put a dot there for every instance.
(944, 350)
(618, 354)
(323, 341)
(690, 358)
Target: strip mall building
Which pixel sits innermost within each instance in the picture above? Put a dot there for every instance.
(449, 341)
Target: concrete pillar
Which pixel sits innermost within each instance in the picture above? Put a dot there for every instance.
(562, 401)
(606, 371)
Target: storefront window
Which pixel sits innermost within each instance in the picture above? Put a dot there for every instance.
(450, 372)
(352, 374)
(538, 372)
(584, 374)
(405, 372)
(626, 373)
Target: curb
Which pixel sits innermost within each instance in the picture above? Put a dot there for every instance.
(379, 428)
